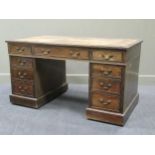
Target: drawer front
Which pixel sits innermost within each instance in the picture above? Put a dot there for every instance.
(107, 55)
(106, 70)
(21, 62)
(23, 87)
(22, 74)
(61, 52)
(105, 102)
(106, 85)
(20, 49)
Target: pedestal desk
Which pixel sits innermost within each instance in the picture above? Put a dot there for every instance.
(38, 73)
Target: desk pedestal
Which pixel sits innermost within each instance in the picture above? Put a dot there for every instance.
(36, 81)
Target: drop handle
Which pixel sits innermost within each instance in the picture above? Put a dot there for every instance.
(23, 49)
(23, 89)
(19, 73)
(20, 87)
(22, 75)
(105, 72)
(46, 52)
(102, 101)
(21, 62)
(20, 49)
(74, 54)
(107, 57)
(101, 84)
(106, 87)
(17, 48)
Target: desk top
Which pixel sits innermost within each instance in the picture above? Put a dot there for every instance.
(80, 42)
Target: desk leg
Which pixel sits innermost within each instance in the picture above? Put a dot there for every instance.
(45, 80)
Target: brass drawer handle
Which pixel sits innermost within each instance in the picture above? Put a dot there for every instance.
(108, 86)
(101, 84)
(107, 57)
(105, 86)
(105, 72)
(102, 101)
(19, 73)
(17, 49)
(20, 87)
(22, 75)
(23, 89)
(21, 62)
(46, 52)
(74, 54)
(22, 49)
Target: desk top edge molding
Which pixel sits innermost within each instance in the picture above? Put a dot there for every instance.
(122, 44)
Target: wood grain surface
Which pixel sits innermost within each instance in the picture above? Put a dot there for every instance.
(82, 42)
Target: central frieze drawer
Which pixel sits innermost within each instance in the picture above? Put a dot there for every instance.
(61, 52)
(107, 85)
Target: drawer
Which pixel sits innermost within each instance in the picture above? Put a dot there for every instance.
(106, 70)
(21, 62)
(105, 102)
(20, 49)
(23, 87)
(22, 74)
(61, 52)
(107, 55)
(106, 85)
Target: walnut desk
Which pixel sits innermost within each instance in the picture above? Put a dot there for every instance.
(38, 73)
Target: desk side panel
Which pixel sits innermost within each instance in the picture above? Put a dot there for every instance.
(131, 75)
